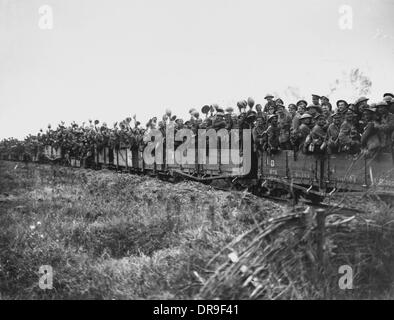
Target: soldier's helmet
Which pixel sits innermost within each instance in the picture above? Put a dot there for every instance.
(205, 109)
(339, 101)
(306, 116)
(301, 102)
(361, 99)
(229, 110)
(388, 95)
(382, 104)
(251, 115)
(272, 116)
(250, 102)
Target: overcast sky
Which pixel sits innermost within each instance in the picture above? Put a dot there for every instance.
(107, 60)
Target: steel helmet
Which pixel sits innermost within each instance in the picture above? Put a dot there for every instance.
(306, 116)
(250, 102)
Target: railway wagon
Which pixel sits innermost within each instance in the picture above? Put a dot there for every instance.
(286, 172)
(356, 173)
(318, 175)
(290, 172)
(208, 165)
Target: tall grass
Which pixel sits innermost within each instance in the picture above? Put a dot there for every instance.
(113, 236)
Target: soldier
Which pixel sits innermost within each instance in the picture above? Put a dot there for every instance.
(272, 145)
(154, 123)
(251, 113)
(284, 125)
(313, 110)
(385, 126)
(207, 121)
(302, 103)
(301, 108)
(333, 134)
(259, 110)
(325, 100)
(315, 100)
(227, 117)
(250, 119)
(318, 135)
(205, 110)
(187, 124)
(271, 108)
(326, 113)
(370, 139)
(292, 110)
(349, 137)
(234, 121)
(279, 101)
(269, 98)
(299, 136)
(360, 104)
(195, 121)
(390, 101)
(342, 107)
(191, 111)
(242, 114)
(259, 135)
(179, 124)
(219, 122)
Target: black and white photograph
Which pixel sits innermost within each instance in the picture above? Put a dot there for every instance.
(214, 152)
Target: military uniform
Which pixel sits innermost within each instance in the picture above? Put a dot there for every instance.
(259, 137)
(333, 135)
(269, 98)
(273, 133)
(318, 135)
(219, 122)
(349, 137)
(284, 125)
(296, 119)
(299, 136)
(295, 123)
(385, 128)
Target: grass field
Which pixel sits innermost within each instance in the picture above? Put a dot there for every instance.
(113, 236)
(119, 236)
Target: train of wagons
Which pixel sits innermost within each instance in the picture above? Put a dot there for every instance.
(287, 174)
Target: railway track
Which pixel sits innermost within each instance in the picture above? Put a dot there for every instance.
(330, 208)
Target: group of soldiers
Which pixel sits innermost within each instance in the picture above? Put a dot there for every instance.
(317, 128)
(311, 128)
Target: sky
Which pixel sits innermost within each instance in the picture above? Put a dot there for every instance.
(108, 60)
